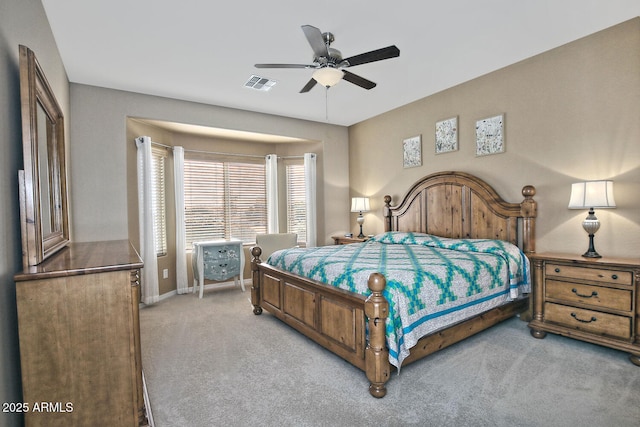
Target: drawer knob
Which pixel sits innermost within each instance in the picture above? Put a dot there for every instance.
(593, 294)
(557, 270)
(575, 316)
(614, 276)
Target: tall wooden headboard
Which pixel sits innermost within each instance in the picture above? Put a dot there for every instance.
(460, 205)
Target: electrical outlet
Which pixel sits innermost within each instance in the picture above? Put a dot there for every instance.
(165, 273)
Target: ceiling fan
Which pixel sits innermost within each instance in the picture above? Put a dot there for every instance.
(329, 64)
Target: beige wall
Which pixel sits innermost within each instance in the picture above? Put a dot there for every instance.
(572, 114)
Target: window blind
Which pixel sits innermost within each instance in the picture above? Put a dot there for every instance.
(158, 158)
(296, 204)
(224, 199)
(247, 200)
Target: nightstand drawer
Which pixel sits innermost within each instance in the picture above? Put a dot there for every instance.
(222, 269)
(588, 320)
(594, 274)
(214, 254)
(597, 296)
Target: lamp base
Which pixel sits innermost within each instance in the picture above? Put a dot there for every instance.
(360, 221)
(591, 252)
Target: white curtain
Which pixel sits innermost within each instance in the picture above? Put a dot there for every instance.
(149, 279)
(182, 282)
(271, 168)
(310, 193)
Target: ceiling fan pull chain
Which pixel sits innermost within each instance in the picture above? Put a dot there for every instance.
(326, 103)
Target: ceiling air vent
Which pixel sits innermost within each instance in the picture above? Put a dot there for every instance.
(260, 83)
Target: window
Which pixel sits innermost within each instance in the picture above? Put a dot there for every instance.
(296, 201)
(224, 199)
(158, 158)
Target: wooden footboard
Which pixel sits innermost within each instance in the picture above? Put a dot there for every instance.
(332, 317)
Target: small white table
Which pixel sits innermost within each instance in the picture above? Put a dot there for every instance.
(217, 260)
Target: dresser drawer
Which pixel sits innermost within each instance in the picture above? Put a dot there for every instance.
(221, 253)
(596, 296)
(593, 274)
(588, 320)
(222, 269)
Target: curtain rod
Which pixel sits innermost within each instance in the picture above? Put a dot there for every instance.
(170, 147)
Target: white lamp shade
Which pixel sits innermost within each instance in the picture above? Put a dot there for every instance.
(592, 194)
(360, 204)
(327, 76)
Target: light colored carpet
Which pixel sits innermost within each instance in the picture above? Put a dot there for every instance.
(212, 362)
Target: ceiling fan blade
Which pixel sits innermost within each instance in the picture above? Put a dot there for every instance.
(310, 84)
(284, 66)
(357, 80)
(374, 55)
(314, 36)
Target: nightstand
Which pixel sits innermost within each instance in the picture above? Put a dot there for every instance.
(217, 260)
(344, 240)
(594, 300)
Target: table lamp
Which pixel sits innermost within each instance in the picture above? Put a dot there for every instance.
(360, 204)
(590, 195)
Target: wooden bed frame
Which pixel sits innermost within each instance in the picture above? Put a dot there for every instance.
(447, 204)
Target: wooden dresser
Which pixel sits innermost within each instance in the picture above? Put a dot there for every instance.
(80, 337)
(594, 300)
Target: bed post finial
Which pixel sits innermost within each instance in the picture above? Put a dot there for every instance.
(256, 251)
(376, 308)
(529, 212)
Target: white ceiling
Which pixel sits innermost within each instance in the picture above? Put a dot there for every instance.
(204, 50)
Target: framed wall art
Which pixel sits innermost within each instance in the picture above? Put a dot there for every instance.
(412, 151)
(447, 135)
(490, 135)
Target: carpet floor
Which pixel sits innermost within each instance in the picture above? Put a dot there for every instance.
(212, 362)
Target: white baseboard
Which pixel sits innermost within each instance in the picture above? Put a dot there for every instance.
(229, 284)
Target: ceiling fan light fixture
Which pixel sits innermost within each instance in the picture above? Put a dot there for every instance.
(329, 65)
(327, 76)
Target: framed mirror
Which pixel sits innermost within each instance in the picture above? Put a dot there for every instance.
(43, 185)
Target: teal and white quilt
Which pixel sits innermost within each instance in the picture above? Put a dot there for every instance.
(432, 282)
